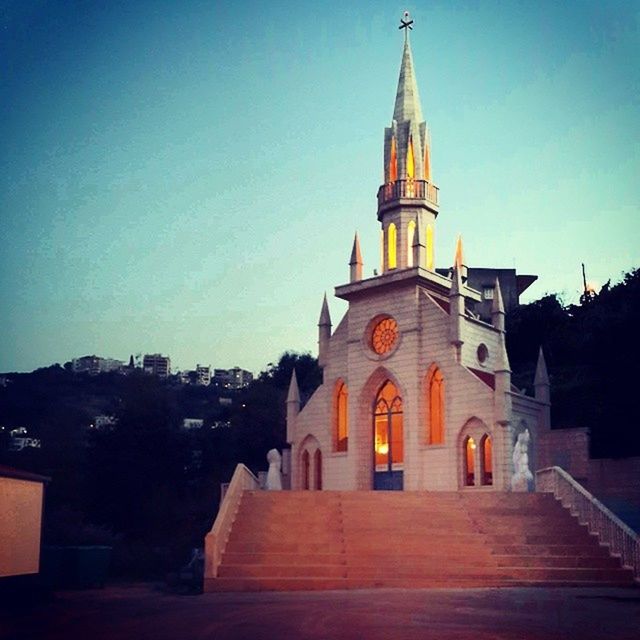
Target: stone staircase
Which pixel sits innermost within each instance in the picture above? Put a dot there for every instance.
(306, 540)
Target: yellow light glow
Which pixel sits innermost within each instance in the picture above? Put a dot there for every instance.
(429, 252)
(393, 162)
(411, 168)
(382, 448)
(427, 163)
(391, 246)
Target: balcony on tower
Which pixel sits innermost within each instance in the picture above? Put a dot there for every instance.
(393, 193)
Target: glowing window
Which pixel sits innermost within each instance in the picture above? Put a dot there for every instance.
(429, 239)
(487, 460)
(381, 251)
(392, 240)
(411, 167)
(411, 232)
(427, 163)
(436, 407)
(384, 336)
(470, 462)
(342, 428)
(393, 162)
(388, 427)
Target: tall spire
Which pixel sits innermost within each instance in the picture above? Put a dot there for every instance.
(355, 263)
(407, 106)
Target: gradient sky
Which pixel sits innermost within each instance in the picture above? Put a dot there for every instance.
(186, 177)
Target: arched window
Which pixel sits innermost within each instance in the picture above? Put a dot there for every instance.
(306, 463)
(393, 162)
(411, 232)
(341, 416)
(391, 246)
(469, 461)
(429, 252)
(389, 446)
(411, 165)
(317, 461)
(427, 163)
(486, 456)
(436, 407)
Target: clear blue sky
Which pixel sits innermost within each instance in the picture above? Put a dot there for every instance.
(186, 177)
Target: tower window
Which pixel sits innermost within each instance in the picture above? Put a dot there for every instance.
(393, 162)
(392, 241)
(411, 165)
(429, 236)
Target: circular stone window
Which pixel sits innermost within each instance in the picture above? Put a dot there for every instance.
(384, 336)
(482, 353)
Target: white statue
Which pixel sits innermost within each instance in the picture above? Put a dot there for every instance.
(274, 477)
(521, 473)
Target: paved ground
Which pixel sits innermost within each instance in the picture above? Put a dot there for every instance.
(143, 612)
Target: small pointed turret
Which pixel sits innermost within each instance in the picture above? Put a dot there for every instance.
(355, 263)
(458, 259)
(324, 333)
(456, 310)
(419, 247)
(502, 398)
(293, 406)
(497, 307)
(543, 390)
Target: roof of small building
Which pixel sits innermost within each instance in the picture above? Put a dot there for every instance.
(19, 474)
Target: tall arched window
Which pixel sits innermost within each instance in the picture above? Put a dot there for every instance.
(435, 386)
(411, 165)
(392, 240)
(317, 461)
(388, 444)
(393, 162)
(306, 463)
(411, 232)
(341, 416)
(486, 456)
(469, 462)
(429, 252)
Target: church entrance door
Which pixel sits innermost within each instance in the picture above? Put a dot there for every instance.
(388, 444)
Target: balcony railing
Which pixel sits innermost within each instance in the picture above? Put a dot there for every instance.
(408, 189)
(611, 531)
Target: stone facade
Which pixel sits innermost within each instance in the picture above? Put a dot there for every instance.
(430, 327)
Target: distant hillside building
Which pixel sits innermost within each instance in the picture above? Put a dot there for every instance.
(234, 378)
(512, 286)
(156, 364)
(203, 375)
(93, 365)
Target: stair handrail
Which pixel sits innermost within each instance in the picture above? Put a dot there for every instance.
(622, 540)
(216, 540)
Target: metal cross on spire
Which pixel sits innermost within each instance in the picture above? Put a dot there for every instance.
(405, 23)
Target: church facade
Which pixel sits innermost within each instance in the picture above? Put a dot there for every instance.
(416, 391)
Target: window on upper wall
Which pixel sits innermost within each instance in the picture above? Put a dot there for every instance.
(487, 293)
(341, 417)
(435, 387)
(393, 162)
(392, 240)
(411, 165)
(429, 252)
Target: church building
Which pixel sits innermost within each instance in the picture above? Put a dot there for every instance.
(416, 391)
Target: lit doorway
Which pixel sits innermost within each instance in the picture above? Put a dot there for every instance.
(388, 439)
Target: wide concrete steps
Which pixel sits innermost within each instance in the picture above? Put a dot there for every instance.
(287, 541)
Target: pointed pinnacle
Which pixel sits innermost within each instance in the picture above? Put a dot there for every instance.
(407, 106)
(294, 392)
(456, 282)
(541, 377)
(503, 363)
(356, 256)
(459, 257)
(325, 317)
(497, 306)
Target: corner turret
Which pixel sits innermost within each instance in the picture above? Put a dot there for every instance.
(324, 333)
(293, 405)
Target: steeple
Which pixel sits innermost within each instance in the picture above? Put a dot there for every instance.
(408, 196)
(407, 105)
(543, 389)
(355, 263)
